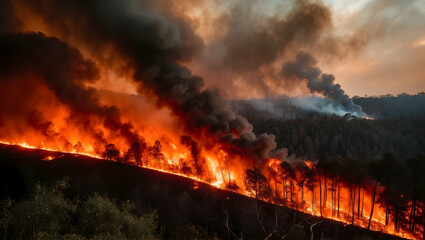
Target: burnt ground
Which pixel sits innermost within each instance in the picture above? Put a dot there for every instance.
(178, 200)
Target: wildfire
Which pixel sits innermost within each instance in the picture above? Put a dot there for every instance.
(309, 164)
(48, 158)
(302, 198)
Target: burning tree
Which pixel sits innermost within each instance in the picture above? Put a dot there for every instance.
(157, 152)
(416, 166)
(194, 151)
(111, 152)
(256, 183)
(288, 174)
(392, 167)
(135, 152)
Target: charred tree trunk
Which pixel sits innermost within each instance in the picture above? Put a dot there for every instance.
(284, 188)
(325, 193)
(358, 204)
(320, 196)
(302, 194)
(292, 190)
(353, 200)
(373, 203)
(332, 198)
(339, 194)
(361, 213)
(413, 210)
(313, 204)
(414, 216)
(386, 213)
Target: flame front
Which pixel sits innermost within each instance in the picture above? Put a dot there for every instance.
(339, 201)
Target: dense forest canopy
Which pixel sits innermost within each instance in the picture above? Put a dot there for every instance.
(398, 126)
(389, 106)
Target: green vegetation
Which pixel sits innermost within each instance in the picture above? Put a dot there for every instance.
(48, 214)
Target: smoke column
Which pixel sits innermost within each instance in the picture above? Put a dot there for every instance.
(304, 68)
(153, 45)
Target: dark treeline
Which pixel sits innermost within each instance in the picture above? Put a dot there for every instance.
(399, 126)
(284, 108)
(346, 136)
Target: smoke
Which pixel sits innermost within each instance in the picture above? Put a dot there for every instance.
(304, 68)
(153, 44)
(285, 108)
(249, 52)
(34, 59)
(7, 21)
(320, 105)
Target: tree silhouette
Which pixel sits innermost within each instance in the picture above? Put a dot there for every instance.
(157, 152)
(111, 152)
(194, 151)
(135, 152)
(416, 167)
(256, 183)
(288, 174)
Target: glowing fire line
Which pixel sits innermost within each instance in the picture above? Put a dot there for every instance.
(220, 184)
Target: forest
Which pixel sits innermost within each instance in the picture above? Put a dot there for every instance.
(103, 199)
(398, 127)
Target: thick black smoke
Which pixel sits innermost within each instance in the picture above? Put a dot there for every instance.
(33, 58)
(304, 68)
(251, 42)
(154, 45)
(7, 21)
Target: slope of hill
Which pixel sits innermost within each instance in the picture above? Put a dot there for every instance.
(178, 200)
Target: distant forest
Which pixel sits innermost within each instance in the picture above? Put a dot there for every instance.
(399, 127)
(389, 106)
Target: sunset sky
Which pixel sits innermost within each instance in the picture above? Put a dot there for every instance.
(372, 47)
(394, 59)
(389, 57)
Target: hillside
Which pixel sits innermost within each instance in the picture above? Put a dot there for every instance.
(178, 200)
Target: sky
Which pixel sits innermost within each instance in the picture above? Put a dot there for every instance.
(388, 57)
(393, 60)
(372, 47)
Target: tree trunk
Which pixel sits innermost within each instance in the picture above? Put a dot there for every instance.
(361, 214)
(339, 194)
(222, 173)
(358, 204)
(386, 213)
(353, 195)
(302, 194)
(320, 196)
(373, 203)
(332, 197)
(284, 188)
(413, 213)
(313, 204)
(325, 193)
(292, 190)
